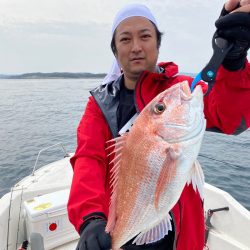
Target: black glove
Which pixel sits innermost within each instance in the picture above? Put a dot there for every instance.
(235, 28)
(93, 236)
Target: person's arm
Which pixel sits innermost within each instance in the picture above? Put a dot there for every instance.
(227, 106)
(89, 200)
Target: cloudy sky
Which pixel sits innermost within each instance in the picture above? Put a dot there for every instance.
(74, 35)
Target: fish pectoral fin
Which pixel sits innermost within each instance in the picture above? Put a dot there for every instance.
(167, 172)
(197, 179)
(156, 233)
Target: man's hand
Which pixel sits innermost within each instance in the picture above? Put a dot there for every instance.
(93, 236)
(234, 25)
(237, 6)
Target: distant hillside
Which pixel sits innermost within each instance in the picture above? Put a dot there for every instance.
(38, 75)
(56, 75)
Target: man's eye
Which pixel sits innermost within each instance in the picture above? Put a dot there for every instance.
(146, 36)
(124, 39)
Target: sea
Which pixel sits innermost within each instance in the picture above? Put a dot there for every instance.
(38, 113)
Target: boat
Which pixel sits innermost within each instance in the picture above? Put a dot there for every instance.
(33, 215)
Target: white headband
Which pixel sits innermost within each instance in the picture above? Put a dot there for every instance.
(129, 10)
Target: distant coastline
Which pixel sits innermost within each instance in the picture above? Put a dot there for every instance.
(63, 75)
(54, 75)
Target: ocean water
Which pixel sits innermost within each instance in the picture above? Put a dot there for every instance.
(35, 114)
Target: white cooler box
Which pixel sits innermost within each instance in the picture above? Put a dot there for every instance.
(47, 215)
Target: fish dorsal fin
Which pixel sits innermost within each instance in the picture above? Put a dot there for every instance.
(156, 233)
(117, 144)
(197, 179)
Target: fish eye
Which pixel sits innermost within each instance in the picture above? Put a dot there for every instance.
(159, 108)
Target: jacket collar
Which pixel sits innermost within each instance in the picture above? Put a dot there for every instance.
(107, 98)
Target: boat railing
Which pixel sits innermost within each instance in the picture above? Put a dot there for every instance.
(66, 154)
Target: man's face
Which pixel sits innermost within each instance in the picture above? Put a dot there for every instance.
(136, 46)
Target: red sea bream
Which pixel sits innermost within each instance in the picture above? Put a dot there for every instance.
(152, 164)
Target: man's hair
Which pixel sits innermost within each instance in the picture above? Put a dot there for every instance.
(158, 37)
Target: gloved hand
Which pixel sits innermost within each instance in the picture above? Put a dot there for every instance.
(93, 236)
(234, 25)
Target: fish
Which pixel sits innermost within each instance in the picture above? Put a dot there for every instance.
(152, 164)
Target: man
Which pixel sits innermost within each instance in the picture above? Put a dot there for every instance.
(113, 105)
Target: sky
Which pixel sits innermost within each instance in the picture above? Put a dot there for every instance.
(74, 35)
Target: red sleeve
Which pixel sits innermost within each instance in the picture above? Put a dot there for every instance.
(227, 107)
(88, 189)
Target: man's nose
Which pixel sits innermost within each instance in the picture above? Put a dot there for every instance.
(136, 45)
